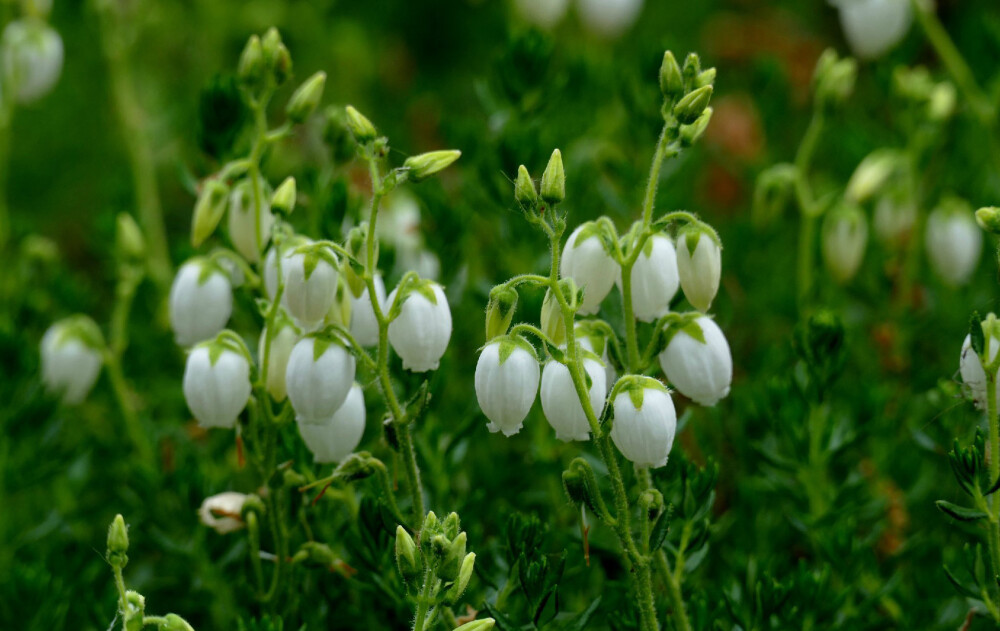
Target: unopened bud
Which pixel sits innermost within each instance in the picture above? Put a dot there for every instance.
(461, 584)
(554, 180)
(872, 174)
(553, 324)
(427, 164)
(128, 238)
(691, 133)
(691, 69)
(431, 525)
(281, 67)
(406, 555)
(689, 108)
(251, 67)
(671, 81)
(173, 622)
(118, 542)
(453, 558)
(706, 77)
(524, 189)
(208, 210)
(360, 126)
(500, 311)
(477, 625)
(283, 200)
(988, 219)
(451, 525)
(306, 98)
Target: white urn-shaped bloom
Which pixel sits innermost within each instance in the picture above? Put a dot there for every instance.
(364, 325)
(270, 274)
(216, 384)
(699, 264)
(542, 13)
(243, 231)
(872, 27)
(971, 368)
(71, 358)
(560, 402)
(894, 221)
(340, 435)
(592, 339)
(609, 18)
(645, 420)
(954, 243)
(421, 331)
(201, 301)
(697, 361)
(32, 55)
(506, 383)
(654, 279)
(310, 276)
(223, 512)
(283, 340)
(845, 235)
(318, 379)
(585, 261)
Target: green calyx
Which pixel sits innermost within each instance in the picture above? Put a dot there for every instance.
(314, 253)
(509, 343)
(81, 328)
(635, 387)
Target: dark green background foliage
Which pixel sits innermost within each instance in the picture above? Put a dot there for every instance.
(434, 74)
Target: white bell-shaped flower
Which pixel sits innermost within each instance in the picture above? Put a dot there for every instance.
(243, 232)
(201, 301)
(506, 383)
(223, 512)
(310, 284)
(595, 342)
(71, 358)
(654, 279)
(364, 325)
(699, 263)
(32, 56)
(894, 221)
(645, 421)
(561, 404)
(283, 340)
(270, 274)
(697, 361)
(340, 435)
(421, 331)
(971, 369)
(216, 384)
(318, 379)
(609, 18)
(542, 13)
(845, 235)
(954, 243)
(872, 27)
(585, 261)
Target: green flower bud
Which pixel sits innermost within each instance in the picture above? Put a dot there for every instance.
(208, 210)
(283, 200)
(356, 243)
(553, 324)
(461, 583)
(306, 98)
(872, 174)
(135, 611)
(406, 555)
(173, 622)
(118, 542)
(581, 486)
(360, 126)
(356, 467)
(451, 525)
(689, 108)
(942, 102)
(691, 70)
(834, 78)
(453, 558)
(251, 504)
(281, 66)
(270, 43)
(500, 311)
(431, 525)
(477, 625)
(128, 238)
(706, 77)
(524, 189)
(427, 164)
(651, 502)
(440, 545)
(554, 180)
(691, 133)
(671, 80)
(988, 219)
(251, 67)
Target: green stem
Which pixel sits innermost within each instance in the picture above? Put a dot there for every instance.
(994, 422)
(807, 205)
(672, 579)
(123, 396)
(6, 114)
(423, 602)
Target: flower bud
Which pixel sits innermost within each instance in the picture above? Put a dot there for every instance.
(306, 98)
(591, 339)
(506, 383)
(844, 236)
(671, 81)
(971, 367)
(134, 611)
(691, 133)
(421, 331)
(586, 261)
(553, 324)
(32, 56)
(834, 80)
(247, 238)
(872, 174)
(645, 421)
(988, 219)
(216, 384)
(360, 126)
(542, 13)
(424, 165)
(339, 436)
(319, 377)
(697, 361)
(524, 189)
(222, 512)
(251, 67)
(894, 221)
(654, 279)
(458, 588)
(690, 108)
(201, 301)
(486, 624)
(553, 188)
(282, 342)
(173, 622)
(561, 404)
(699, 265)
(942, 102)
(431, 524)
(128, 238)
(608, 18)
(71, 358)
(954, 241)
(270, 274)
(406, 555)
(364, 324)
(117, 542)
(872, 27)
(283, 200)
(310, 284)
(500, 311)
(208, 210)
(453, 559)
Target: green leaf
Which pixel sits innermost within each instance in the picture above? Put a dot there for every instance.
(960, 512)
(580, 621)
(962, 589)
(660, 529)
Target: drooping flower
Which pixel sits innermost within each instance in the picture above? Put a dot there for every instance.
(542, 13)
(609, 18)
(954, 242)
(340, 435)
(654, 279)
(216, 384)
(318, 379)
(71, 358)
(270, 274)
(223, 512)
(971, 369)
(872, 27)
(282, 342)
(697, 361)
(845, 235)
(201, 301)
(699, 264)
(645, 420)
(364, 325)
(421, 331)
(506, 383)
(592, 339)
(586, 262)
(243, 231)
(894, 221)
(310, 284)
(32, 56)
(561, 404)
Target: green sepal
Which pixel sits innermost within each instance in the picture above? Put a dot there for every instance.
(960, 513)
